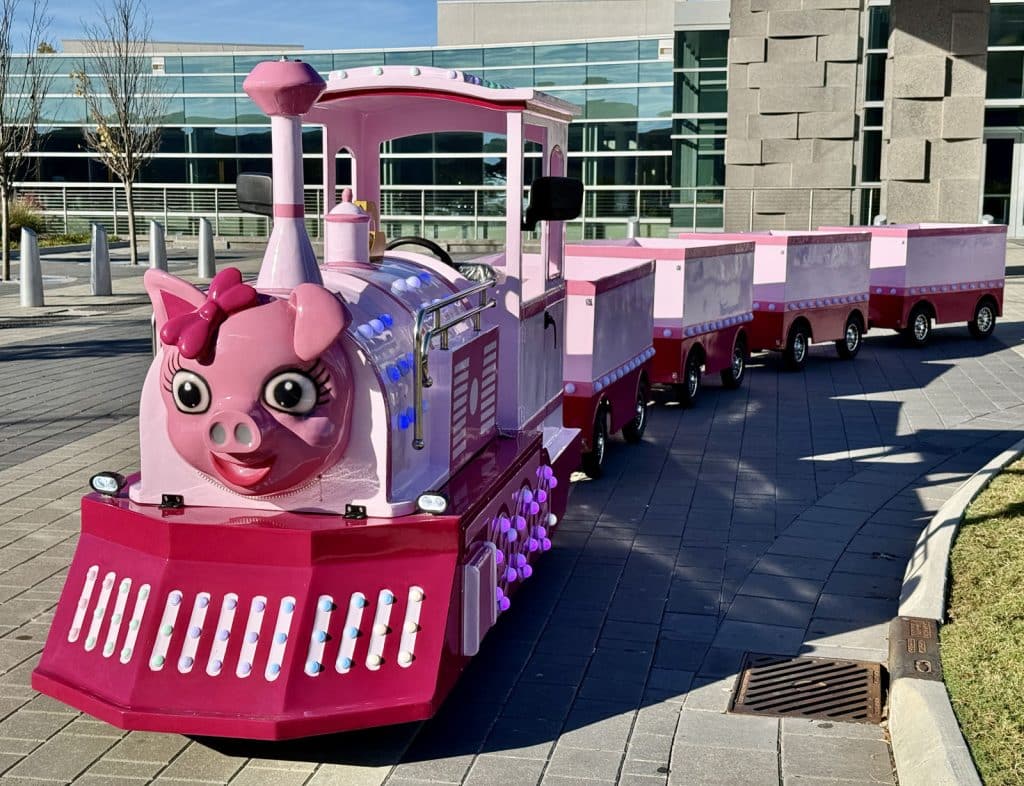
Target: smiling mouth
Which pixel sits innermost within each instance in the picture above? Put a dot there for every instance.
(244, 475)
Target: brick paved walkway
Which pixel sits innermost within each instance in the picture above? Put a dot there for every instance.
(776, 518)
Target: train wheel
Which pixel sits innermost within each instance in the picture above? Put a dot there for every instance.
(919, 327)
(849, 345)
(732, 377)
(633, 431)
(984, 321)
(798, 344)
(594, 460)
(690, 387)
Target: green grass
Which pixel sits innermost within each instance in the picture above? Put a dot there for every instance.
(983, 642)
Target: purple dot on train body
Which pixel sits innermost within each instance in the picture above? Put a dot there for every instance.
(527, 571)
(499, 593)
(252, 637)
(511, 575)
(230, 603)
(194, 631)
(545, 544)
(540, 532)
(223, 634)
(504, 604)
(533, 544)
(520, 523)
(542, 495)
(552, 482)
(244, 667)
(216, 665)
(499, 556)
(260, 605)
(185, 662)
(512, 536)
(504, 523)
(175, 598)
(526, 495)
(203, 601)
(534, 508)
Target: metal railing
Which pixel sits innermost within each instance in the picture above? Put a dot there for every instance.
(437, 212)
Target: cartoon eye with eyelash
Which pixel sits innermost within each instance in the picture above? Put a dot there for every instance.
(190, 392)
(297, 392)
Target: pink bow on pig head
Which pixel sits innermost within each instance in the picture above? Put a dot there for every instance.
(195, 332)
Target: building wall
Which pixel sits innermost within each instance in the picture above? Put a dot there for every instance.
(793, 98)
(934, 110)
(491, 21)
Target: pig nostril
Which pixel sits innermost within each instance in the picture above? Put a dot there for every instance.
(243, 434)
(218, 434)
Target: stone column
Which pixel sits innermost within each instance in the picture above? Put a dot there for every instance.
(793, 98)
(935, 110)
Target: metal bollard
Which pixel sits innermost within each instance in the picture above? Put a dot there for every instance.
(207, 260)
(30, 271)
(880, 220)
(157, 247)
(99, 262)
(632, 225)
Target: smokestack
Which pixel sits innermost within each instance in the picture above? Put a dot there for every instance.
(286, 89)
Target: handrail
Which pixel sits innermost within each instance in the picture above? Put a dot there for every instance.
(424, 335)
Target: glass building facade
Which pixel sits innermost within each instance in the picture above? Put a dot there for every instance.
(442, 186)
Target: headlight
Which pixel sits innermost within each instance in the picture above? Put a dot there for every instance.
(432, 502)
(108, 483)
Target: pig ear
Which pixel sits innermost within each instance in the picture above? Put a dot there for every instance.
(320, 317)
(171, 296)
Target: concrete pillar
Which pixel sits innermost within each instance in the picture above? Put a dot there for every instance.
(793, 98)
(935, 110)
(207, 260)
(157, 247)
(29, 270)
(99, 262)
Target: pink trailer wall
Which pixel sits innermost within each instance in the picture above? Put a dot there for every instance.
(608, 319)
(697, 281)
(931, 254)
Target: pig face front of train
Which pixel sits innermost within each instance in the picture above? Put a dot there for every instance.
(257, 393)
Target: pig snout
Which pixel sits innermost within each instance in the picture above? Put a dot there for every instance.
(233, 432)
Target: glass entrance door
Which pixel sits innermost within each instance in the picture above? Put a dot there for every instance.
(1001, 192)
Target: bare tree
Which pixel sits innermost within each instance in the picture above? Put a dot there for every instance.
(24, 82)
(125, 102)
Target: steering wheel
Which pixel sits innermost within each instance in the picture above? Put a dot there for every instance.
(430, 245)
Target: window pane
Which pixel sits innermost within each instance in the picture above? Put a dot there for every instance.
(702, 48)
(649, 49)
(1005, 71)
(560, 53)
(873, 117)
(510, 55)
(874, 90)
(164, 170)
(654, 136)
(511, 77)
(878, 27)
(322, 63)
(1006, 25)
(701, 92)
(407, 58)
(243, 64)
(357, 59)
(623, 73)
(612, 50)
(248, 112)
(616, 102)
(209, 84)
(609, 136)
(655, 101)
(610, 171)
(656, 72)
(210, 140)
(654, 171)
(546, 77)
(62, 110)
(458, 58)
(62, 140)
(578, 97)
(211, 65)
(872, 168)
(209, 110)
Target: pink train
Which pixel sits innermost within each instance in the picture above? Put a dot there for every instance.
(349, 468)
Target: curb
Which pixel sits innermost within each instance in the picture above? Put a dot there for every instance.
(927, 745)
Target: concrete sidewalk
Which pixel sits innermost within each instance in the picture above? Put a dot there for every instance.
(776, 518)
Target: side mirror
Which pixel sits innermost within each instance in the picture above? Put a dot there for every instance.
(553, 199)
(255, 194)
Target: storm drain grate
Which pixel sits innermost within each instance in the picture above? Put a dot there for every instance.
(807, 687)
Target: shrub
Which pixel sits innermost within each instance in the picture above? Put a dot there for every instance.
(25, 213)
